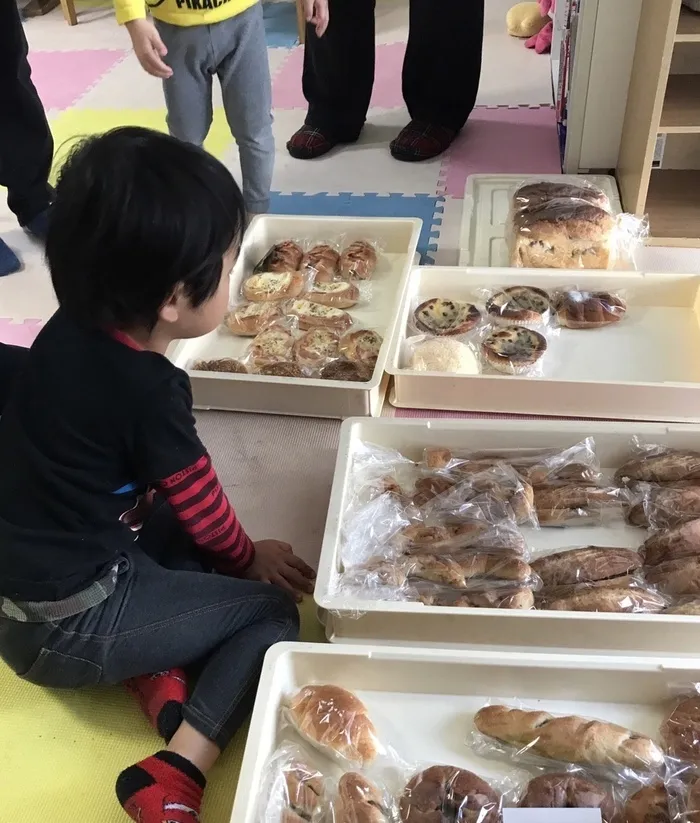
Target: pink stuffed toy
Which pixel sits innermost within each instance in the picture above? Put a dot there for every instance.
(542, 42)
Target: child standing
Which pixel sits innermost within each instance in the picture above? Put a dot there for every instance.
(191, 41)
(112, 518)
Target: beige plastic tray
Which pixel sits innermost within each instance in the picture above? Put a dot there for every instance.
(440, 691)
(354, 620)
(647, 367)
(312, 398)
(486, 205)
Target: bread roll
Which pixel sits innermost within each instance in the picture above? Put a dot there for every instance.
(668, 467)
(359, 801)
(358, 261)
(361, 346)
(322, 263)
(338, 294)
(648, 805)
(446, 794)
(224, 364)
(563, 234)
(589, 310)
(680, 732)
(602, 599)
(273, 345)
(519, 305)
(250, 319)
(272, 286)
(444, 318)
(563, 790)
(677, 577)
(347, 370)
(335, 721)
(284, 256)
(585, 565)
(513, 349)
(312, 315)
(282, 369)
(673, 544)
(316, 347)
(304, 793)
(570, 739)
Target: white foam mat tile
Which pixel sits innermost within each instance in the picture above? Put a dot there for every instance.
(391, 21)
(126, 86)
(28, 293)
(97, 29)
(447, 253)
(365, 166)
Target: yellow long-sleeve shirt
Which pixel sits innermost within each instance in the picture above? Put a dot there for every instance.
(182, 12)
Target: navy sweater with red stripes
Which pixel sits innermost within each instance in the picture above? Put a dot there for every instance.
(93, 426)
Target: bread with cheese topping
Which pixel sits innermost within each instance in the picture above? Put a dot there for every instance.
(268, 286)
(311, 315)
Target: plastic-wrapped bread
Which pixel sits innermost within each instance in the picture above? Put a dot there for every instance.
(667, 506)
(520, 598)
(360, 801)
(672, 544)
(305, 794)
(661, 466)
(576, 309)
(648, 805)
(564, 790)
(622, 600)
(322, 263)
(676, 577)
(537, 192)
(680, 731)
(563, 234)
(358, 261)
(570, 739)
(561, 504)
(586, 565)
(446, 794)
(335, 721)
(284, 256)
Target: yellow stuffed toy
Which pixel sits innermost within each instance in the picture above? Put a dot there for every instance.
(525, 20)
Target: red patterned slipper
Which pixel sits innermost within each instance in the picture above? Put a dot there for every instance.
(421, 141)
(309, 143)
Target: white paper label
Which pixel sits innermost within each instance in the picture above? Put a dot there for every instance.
(552, 816)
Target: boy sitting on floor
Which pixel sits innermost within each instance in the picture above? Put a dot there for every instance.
(111, 515)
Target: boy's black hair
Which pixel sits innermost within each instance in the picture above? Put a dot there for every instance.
(136, 214)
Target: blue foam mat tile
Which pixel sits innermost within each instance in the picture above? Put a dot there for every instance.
(281, 25)
(425, 207)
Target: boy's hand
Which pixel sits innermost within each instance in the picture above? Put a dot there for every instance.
(149, 48)
(316, 13)
(276, 563)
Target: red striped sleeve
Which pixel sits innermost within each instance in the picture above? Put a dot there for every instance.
(199, 503)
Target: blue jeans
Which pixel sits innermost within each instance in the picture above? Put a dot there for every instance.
(166, 611)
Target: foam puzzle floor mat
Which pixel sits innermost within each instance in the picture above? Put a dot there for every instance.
(61, 751)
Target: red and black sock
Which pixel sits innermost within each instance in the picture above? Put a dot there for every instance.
(163, 787)
(161, 697)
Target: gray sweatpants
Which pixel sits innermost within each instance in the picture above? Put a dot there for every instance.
(236, 52)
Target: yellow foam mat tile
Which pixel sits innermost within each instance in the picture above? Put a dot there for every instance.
(61, 751)
(77, 122)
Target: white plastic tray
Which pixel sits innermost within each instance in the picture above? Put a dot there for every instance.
(646, 367)
(440, 691)
(376, 621)
(312, 398)
(486, 204)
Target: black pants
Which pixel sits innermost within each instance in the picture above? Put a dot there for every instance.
(440, 73)
(166, 612)
(26, 145)
(12, 360)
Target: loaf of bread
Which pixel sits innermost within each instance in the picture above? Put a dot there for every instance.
(562, 503)
(666, 507)
(690, 607)
(669, 466)
(463, 568)
(563, 234)
(680, 732)
(539, 192)
(335, 721)
(471, 534)
(551, 594)
(563, 790)
(359, 801)
(585, 565)
(672, 544)
(570, 739)
(648, 805)
(677, 577)
(446, 794)
(692, 801)
(623, 600)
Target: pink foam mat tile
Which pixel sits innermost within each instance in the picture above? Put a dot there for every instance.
(20, 332)
(63, 77)
(286, 85)
(502, 140)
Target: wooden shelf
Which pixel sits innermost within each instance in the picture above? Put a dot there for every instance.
(688, 26)
(681, 109)
(673, 206)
